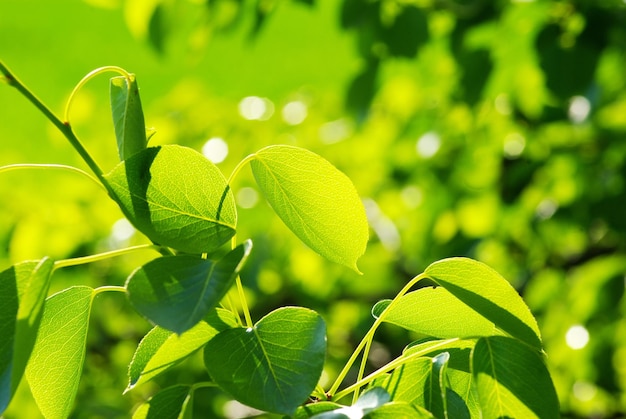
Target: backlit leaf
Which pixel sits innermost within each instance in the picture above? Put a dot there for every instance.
(23, 289)
(488, 293)
(161, 349)
(57, 360)
(512, 380)
(176, 292)
(435, 312)
(315, 200)
(273, 366)
(395, 410)
(176, 197)
(130, 128)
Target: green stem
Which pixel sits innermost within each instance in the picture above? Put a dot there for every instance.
(239, 167)
(242, 295)
(50, 166)
(64, 127)
(366, 342)
(91, 75)
(103, 256)
(203, 384)
(401, 360)
(107, 288)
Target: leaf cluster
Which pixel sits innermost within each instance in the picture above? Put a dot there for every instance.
(482, 355)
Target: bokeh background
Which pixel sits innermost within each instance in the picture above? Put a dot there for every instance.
(489, 129)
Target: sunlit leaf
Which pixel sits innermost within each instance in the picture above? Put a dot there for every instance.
(176, 292)
(161, 349)
(130, 128)
(176, 197)
(439, 367)
(512, 380)
(23, 289)
(57, 360)
(273, 366)
(315, 200)
(169, 403)
(395, 410)
(435, 312)
(488, 293)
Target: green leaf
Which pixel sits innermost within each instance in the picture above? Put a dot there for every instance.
(315, 200)
(407, 382)
(57, 359)
(487, 292)
(130, 128)
(395, 410)
(436, 388)
(161, 349)
(460, 395)
(370, 400)
(273, 366)
(23, 290)
(435, 312)
(176, 197)
(312, 409)
(512, 380)
(436, 368)
(169, 403)
(176, 292)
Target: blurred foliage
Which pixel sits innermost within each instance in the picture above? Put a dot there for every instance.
(491, 129)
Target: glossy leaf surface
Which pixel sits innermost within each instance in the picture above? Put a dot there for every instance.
(162, 349)
(57, 360)
(169, 403)
(512, 380)
(23, 289)
(488, 293)
(176, 197)
(273, 366)
(130, 128)
(176, 292)
(435, 312)
(315, 200)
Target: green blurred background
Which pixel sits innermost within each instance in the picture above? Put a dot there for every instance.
(489, 129)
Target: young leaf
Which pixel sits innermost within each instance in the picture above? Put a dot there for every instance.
(176, 292)
(315, 200)
(484, 290)
(273, 366)
(169, 403)
(57, 359)
(161, 349)
(23, 289)
(512, 380)
(130, 128)
(435, 312)
(176, 197)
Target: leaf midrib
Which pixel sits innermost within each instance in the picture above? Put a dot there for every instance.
(175, 211)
